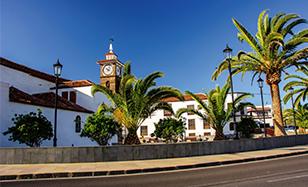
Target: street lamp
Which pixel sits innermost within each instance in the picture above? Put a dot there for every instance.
(57, 72)
(260, 82)
(294, 120)
(228, 56)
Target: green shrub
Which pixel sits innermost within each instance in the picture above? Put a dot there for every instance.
(30, 129)
(169, 129)
(100, 127)
(247, 126)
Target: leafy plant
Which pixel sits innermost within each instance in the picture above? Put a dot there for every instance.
(301, 116)
(213, 110)
(274, 49)
(169, 129)
(100, 127)
(30, 129)
(247, 126)
(300, 85)
(136, 100)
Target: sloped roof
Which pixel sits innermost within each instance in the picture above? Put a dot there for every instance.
(30, 71)
(258, 109)
(75, 83)
(186, 98)
(44, 99)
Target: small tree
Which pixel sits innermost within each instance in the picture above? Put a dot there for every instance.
(170, 129)
(30, 129)
(100, 127)
(247, 126)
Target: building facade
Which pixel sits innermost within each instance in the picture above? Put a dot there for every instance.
(24, 90)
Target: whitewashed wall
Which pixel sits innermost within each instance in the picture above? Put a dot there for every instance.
(198, 121)
(24, 81)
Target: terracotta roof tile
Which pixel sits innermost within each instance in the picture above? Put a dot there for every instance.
(29, 71)
(75, 83)
(44, 99)
(186, 98)
(249, 109)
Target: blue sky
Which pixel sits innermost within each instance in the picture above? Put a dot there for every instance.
(183, 39)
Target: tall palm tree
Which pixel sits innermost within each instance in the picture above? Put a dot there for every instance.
(136, 100)
(214, 111)
(301, 85)
(301, 116)
(274, 49)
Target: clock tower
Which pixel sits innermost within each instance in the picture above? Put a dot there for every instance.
(110, 70)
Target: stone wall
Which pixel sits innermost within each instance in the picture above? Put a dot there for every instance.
(142, 152)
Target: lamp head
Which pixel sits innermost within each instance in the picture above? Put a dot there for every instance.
(57, 67)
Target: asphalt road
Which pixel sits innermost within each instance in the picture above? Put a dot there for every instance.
(289, 171)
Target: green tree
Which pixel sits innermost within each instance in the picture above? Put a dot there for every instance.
(214, 111)
(247, 126)
(169, 129)
(301, 116)
(30, 129)
(300, 85)
(136, 100)
(275, 48)
(100, 127)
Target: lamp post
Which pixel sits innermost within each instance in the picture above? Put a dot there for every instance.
(57, 72)
(228, 55)
(294, 120)
(260, 82)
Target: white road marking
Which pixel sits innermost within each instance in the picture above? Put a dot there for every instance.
(287, 178)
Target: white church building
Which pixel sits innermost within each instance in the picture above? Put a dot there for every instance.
(24, 90)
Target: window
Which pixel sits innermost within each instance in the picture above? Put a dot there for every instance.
(192, 134)
(73, 96)
(242, 111)
(144, 130)
(206, 125)
(65, 95)
(191, 124)
(231, 126)
(167, 113)
(108, 84)
(78, 124)
(207, 134)
(192, 107)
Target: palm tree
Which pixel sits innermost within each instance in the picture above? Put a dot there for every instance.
(136, 100)
(274, 49)
(301, 82)
(301, 116)
(214, 111)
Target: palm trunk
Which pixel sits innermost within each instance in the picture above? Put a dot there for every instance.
(277, 112)
(219, 135)
(132, 138)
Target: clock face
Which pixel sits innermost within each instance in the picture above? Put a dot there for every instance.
(107, 69)
(118, 71)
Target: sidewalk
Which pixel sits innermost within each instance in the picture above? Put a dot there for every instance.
(32, 171)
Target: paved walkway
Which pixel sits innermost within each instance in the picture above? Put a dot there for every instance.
(28, 171)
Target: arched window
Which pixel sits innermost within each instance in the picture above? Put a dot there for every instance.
(108, 84)
(78, 124)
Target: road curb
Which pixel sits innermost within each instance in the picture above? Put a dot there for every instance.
(137, 171)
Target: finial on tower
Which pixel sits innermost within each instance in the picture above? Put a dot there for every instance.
(110, 45)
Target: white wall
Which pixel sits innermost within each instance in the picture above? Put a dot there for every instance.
(85, 99)
(198, 121)
(24, 81)
(159, 114)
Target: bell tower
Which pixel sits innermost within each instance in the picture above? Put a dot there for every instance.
(110, 70)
